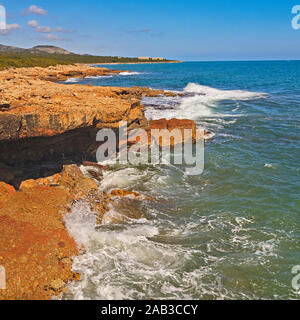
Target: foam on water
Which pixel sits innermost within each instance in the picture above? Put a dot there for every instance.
(136, 260)
(76, 80)
(72, 80)
(118, 263)
(97, 77)
(130, 73)
(201, 102)
(214, 94)
(148, 258)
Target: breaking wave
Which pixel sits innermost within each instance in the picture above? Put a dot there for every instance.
(130, 73)
(72, 80)
(213, 94)
(198, 101)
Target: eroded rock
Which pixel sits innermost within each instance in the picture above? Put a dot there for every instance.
(35, 248)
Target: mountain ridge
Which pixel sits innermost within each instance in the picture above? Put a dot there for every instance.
(36, 49)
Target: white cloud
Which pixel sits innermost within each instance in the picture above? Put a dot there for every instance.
(33, 23)
(50, 36)
(60, 29)
(37, 28)
(35, 10)
(10, 28)
(13, 26)
(42, 29)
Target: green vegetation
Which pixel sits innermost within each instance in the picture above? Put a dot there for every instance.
(18, 60)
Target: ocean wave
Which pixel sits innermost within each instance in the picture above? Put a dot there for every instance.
(200, 101)
(130, 73)
(72, 80)
(76, 80)
(135, 260)
(210, 93)
(97, 77)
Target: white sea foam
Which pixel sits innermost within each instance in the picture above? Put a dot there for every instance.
(72, 80)
(123, 178)
(129, 262)
(125, 73)
(214, 94)
(268, 165)
(126, 263)
(97, 77)
(200, 103)
(75, 80)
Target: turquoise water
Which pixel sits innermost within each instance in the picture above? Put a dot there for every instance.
(232, 232)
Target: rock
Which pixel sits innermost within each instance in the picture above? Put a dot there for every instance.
(124, 193)
(57, 123)
(49, 181)
(131, 194)
(6, 191)
(47, 120)
(43, 120)
(159, 124)
(182, 124)
(94, 164)
(57, 284)
(73, 179)
(35, 246)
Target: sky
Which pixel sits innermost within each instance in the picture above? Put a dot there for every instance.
(190, 30)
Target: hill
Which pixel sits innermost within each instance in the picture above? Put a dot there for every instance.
(49, 49)
(45, 56)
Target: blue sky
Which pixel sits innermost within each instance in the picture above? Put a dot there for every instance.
(187, 30)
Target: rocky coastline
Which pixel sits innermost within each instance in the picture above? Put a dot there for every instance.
(47, 130)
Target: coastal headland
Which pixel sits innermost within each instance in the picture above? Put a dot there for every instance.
(47, 130)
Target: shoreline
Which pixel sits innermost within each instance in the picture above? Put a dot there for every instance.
(118, 63)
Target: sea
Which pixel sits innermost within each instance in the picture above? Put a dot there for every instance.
(232, 232)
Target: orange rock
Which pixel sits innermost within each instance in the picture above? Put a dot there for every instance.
(6, 190)
(159, 124)
(69, 116)
(94, 164)
(49, 181)
(124, 193)
(173, 124)
(35, 248)
(130, 194)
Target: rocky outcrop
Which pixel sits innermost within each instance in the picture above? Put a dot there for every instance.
(35, 248)
(42, 121)
(183, 131)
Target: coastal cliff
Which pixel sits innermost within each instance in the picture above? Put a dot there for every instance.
(47, 129)
(42, 121)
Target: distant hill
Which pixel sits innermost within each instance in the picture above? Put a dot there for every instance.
(45, 56)
(50, 50)
(36, 49)
(12, 49)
